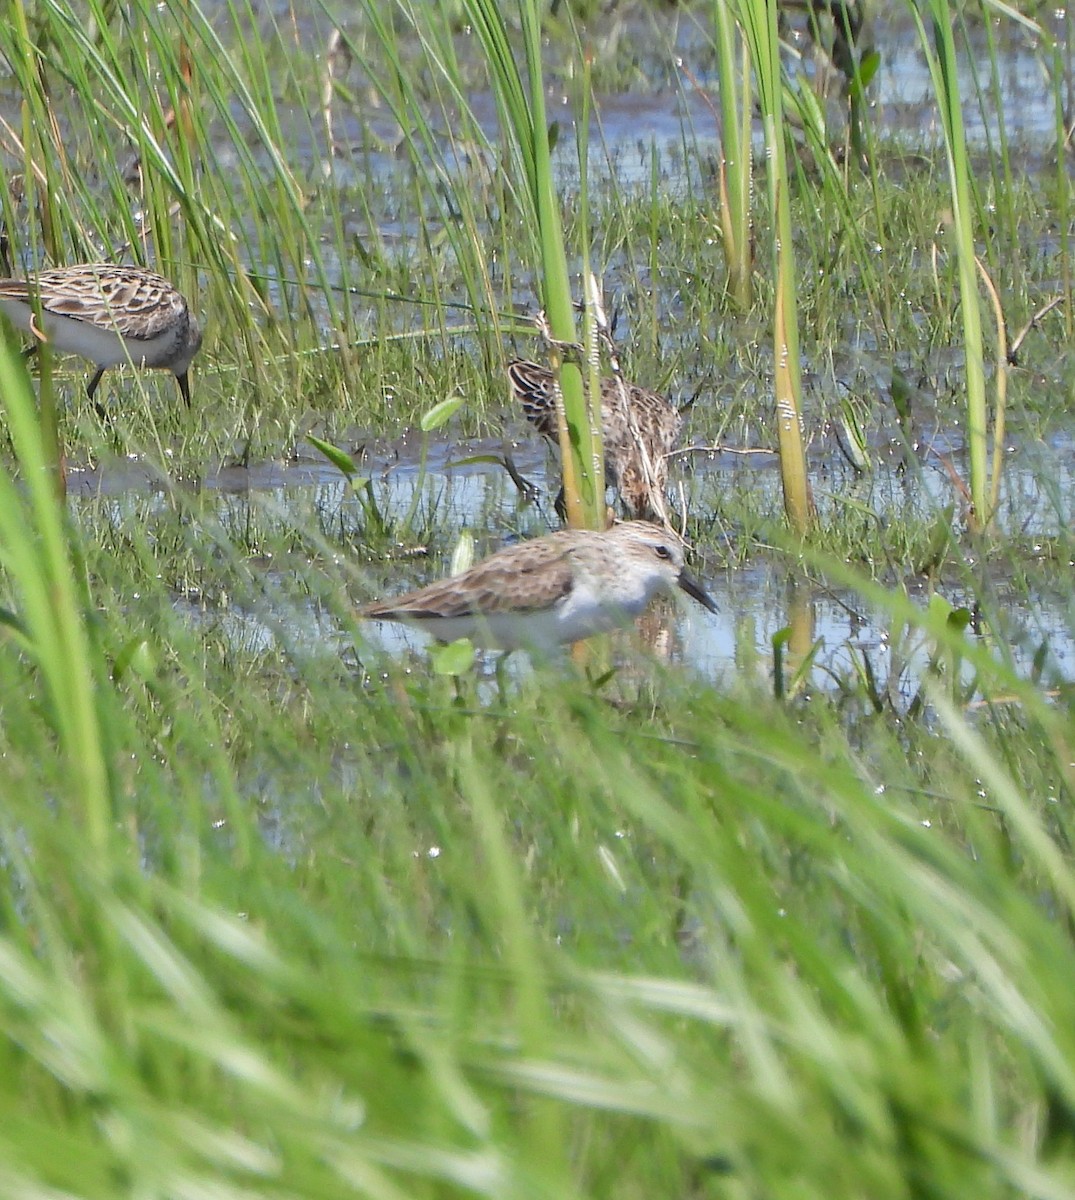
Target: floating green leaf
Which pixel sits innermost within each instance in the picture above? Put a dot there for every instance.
(868, 68)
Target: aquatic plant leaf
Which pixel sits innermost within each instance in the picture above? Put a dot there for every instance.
(780, 640)
(803, 108)
(476, 460)
(463, 554)
(868, 68)
(853, 443)
(135, 656)
(941, 607)
(340, 459)
(959, 619)
(440, 413)
(12, 621)
(454, 659)
(365, 257)
(1041, 657)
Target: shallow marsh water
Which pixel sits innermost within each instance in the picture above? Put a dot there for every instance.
(757, 598)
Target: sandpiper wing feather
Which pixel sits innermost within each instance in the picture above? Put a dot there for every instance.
(533, 385)
(527, 577)
(135, 303)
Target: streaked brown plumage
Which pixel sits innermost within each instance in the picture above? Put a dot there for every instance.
(109, 314)
(637, 437)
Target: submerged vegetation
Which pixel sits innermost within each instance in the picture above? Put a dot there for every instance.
(289, 914)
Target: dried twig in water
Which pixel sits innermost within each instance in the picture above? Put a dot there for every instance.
(1013, 353)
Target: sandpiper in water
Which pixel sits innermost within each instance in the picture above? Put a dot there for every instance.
(110, 315)
(637, 436)
(550, 591)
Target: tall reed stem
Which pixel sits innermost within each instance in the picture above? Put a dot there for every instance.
(757, 19)
(736, 159)
(941, 55)
(524, 125)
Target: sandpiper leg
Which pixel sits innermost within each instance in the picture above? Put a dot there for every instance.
(101, 411)
(184, 387)
(529, 491)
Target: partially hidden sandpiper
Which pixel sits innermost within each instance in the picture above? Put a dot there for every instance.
(110, 315)
(637, 436)
(549, 591)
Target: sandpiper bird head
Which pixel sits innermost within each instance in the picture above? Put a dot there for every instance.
(552, 590)
(657, 563)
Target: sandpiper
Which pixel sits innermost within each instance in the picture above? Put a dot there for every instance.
(638, 435)
(110, 315)
(555, 589)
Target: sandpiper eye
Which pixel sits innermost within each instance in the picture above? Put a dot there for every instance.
(663, 551)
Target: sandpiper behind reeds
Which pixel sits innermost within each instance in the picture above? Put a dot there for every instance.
(110, 315)
(550, 591)
(639, 429)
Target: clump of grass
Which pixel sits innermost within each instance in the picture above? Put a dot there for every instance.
(706, 936)
(522, 111)
(705, 933)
